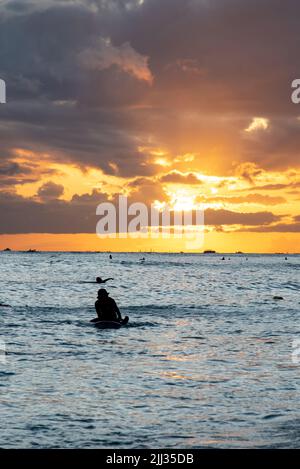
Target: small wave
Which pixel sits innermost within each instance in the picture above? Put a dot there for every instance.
(158, 263)
(272, 416)
(6, 373)
(142, 324)
(291, 286)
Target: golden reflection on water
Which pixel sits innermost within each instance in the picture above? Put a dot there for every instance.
(178, 358)
(174, 375)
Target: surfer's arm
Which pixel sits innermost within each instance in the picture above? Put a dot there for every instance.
(105, 280)
(97, 308)
(118, 311)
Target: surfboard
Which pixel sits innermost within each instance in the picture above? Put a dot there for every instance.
(111, 324)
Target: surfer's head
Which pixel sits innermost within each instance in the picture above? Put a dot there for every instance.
(102, 293)
(98, 279)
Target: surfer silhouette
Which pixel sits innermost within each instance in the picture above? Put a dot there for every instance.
(106, 308)
(101, 280)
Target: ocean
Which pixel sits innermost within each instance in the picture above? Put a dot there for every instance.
(209, 358)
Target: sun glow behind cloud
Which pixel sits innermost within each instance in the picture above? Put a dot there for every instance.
(120, 110)
(74, 180)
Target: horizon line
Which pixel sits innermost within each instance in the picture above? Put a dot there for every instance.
(206, 252)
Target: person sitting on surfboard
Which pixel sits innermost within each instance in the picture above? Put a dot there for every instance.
(106, 307)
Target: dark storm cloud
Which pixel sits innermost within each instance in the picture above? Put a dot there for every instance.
(226, 217)
(12, 173)
(50, 190)
(277, 228)
(146, 190)
(10, 169)
(276, 147)
(96, 137)
(50, 215)
(247, 49)
(177, 178)
(55, 104)
(244, 55)
(21, 215)
(211, 56)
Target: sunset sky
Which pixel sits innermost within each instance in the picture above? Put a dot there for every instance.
(178, 102)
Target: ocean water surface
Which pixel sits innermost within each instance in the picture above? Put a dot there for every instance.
(206, 360)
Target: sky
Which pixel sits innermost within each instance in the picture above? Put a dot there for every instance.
(169, 102)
